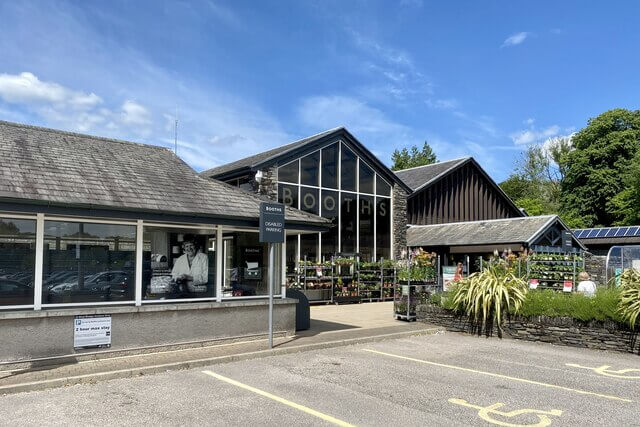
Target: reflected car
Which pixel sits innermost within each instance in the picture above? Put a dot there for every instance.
(13, 293)
(103, 286)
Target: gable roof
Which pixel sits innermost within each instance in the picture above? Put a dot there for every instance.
(52, 167)
(285, 153)
(421, 177)
(489, 232)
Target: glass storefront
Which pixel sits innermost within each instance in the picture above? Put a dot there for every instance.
(351, 194)
(17, 261)
(88, 262)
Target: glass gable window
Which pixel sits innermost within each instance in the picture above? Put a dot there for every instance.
(383, 228)
(17, 261)
(382, 188)
(309, 200)
(330, 166)
(288, 172)
(288, 195)
(178, 263)
(88, 262)
(348, 169)
(309, 246)
(348, 222)
(366, 178)
(310, 169)
(367, 207)
(329, 243)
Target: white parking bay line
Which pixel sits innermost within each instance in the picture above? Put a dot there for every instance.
(507, 377)
(279, 399)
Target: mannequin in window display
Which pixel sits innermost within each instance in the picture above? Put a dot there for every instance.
(191, 270)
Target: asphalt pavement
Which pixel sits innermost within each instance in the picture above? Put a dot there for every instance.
(442, 379)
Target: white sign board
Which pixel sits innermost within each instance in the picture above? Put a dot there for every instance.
(448, 274)
(92, 331)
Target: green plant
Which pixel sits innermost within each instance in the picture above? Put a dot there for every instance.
(487, 295)
(602, 306)
(629, 306)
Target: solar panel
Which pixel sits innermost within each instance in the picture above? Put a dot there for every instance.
(633, 231)
(603, 232)
(621, 231)
(611, 231)
(578, 232)
(592, 233)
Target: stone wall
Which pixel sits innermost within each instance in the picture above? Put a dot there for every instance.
(596, 266)
(555, 330)
(399, 220)
(268, 185)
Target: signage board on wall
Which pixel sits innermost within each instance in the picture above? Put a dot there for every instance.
(92, 331)
(271, 222)
(448, 274)
(567, 240)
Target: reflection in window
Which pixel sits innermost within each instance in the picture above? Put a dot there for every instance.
(366, 178)
(292, 254)
(329, 204)
(330, 166)
(288, 172)
(367, 207)
(310, 169)
(247, 264)
(348, 169)
(383, 228)
(382, 188)
(348, 223)
(87, 262)
(288, 195)
(246, 183)
(17, 260)
(309, 200)
(309, 246)
(178, 263)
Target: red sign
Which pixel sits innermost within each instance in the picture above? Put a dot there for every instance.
(568, 286)
(533, 283)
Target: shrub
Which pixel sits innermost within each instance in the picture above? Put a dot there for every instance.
(485, 297)
(629, 306)
(603, 306)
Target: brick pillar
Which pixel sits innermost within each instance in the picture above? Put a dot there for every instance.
(399, 220)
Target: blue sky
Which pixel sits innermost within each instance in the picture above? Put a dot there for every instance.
(473, 78)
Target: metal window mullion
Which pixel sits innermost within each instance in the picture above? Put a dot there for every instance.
(139, 251)
(39, 261)
(375, 221)
(283, 268)
(219, 263)
(391, 228)
(358, 205)
(339, 248)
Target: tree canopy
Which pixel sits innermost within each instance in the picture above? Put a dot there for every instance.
(410, 158)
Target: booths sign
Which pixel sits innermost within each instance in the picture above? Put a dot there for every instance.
(271, 222)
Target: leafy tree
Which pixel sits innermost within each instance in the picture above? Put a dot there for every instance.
(403, 159)
(626, 204)
(595, 171)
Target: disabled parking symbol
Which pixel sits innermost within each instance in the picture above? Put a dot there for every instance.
(604, 370)
(487, 413)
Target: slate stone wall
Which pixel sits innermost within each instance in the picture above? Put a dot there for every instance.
(268, 185)
(555, 330)
(596, 266)
(399, 220)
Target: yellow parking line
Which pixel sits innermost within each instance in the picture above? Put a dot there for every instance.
(507, 377)
(297, 406)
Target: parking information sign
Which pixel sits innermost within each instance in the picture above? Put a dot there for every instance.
(92, 331)
(271, 222)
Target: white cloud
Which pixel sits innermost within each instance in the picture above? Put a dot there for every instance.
(442, 104)
(26, 88)
(134, 114)
(529, 121)
(533, 136)
(515, 39)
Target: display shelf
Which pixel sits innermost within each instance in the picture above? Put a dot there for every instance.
(553, 270)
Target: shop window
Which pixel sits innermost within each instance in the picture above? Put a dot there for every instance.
(246, 183)
(292, 254)
(383, 228)
(288, 195)
(178, 263)
(382, 188)
(348, 169)
(329, 209)
(309, 200)
(247, 262)
(289, 172)
(366, 178)
(17, 260)
(310, 169)
(87, 262)
(330, 166)
(348, 223)
(367, 206)
(309, 246)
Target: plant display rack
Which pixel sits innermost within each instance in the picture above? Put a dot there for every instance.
(316, 281)
(553, 269)
(370, 281)
(347, 289)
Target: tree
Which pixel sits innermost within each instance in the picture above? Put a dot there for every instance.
(595, 185)
(404, 159)
(626, 204)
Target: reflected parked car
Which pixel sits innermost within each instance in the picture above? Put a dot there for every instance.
(103, 286)
(13, 293)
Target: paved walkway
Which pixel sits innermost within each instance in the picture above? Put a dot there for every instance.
(331, 326)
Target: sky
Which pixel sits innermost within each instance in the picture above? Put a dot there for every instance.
(473, 78)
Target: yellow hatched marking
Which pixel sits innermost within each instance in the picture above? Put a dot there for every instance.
(507, 377)
(604, 370)
(487, 412)
(279, 399)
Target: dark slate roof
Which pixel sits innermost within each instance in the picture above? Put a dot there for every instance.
(255, 160)
(40, 165)
(496, 231)
(422, 176)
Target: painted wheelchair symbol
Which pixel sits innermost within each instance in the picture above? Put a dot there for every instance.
(487, 413)
(604, 370)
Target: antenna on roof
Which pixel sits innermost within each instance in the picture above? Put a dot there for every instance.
(176, 133)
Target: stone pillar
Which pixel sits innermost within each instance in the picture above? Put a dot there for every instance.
(268, 185)
(399, 220)
(596, 266)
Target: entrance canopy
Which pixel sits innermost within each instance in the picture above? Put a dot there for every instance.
(490, 235)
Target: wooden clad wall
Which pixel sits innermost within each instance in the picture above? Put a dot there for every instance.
(463, 195)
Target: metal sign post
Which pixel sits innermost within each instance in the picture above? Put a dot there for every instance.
(271, 231)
